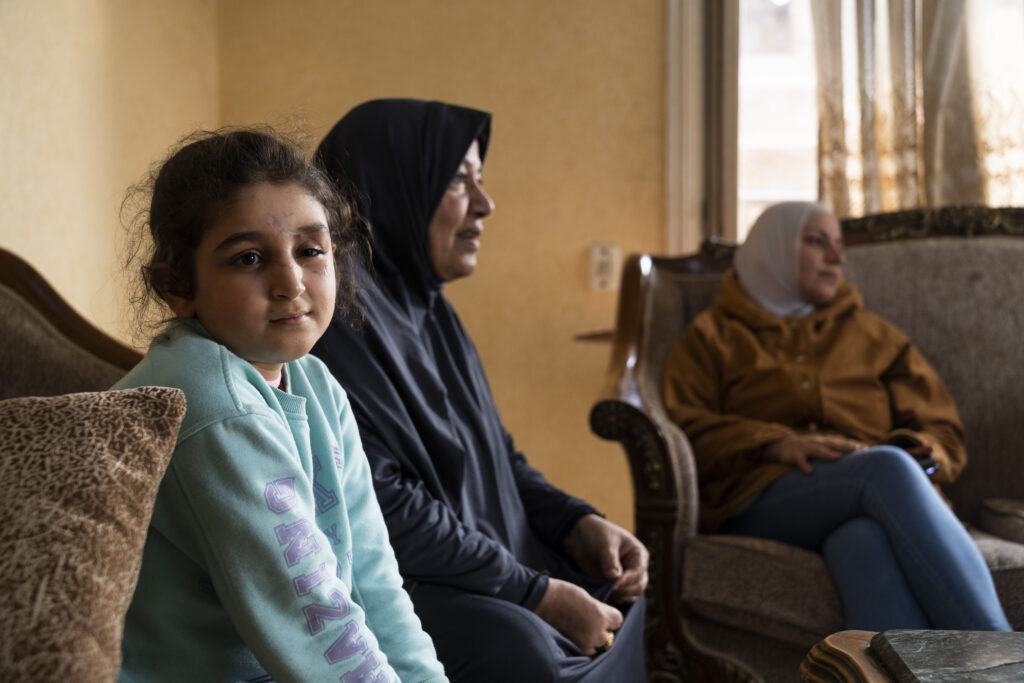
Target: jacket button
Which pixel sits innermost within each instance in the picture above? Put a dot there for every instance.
(800, 358)
(805, 385)
(812, 427)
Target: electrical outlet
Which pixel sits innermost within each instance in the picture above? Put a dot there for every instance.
(605, 266)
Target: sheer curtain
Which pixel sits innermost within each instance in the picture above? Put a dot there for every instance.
(920, 103)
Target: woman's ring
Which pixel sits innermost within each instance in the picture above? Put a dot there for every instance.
(607, 644)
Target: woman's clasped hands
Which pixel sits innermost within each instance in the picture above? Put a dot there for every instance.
(599, 548)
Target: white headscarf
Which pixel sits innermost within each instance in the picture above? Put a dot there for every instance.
(768, 262)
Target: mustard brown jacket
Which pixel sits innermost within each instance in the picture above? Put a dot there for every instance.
(741, 378)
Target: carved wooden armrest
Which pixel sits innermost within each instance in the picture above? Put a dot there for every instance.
(635, 426)
(665, 509)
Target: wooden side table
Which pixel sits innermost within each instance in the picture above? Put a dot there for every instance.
(844, 657)
(908, 656)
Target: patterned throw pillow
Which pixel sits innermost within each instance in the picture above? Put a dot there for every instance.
(78, 477)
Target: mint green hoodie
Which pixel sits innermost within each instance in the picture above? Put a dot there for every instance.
(267, 555)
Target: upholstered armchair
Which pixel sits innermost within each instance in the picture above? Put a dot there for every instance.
(734, 608)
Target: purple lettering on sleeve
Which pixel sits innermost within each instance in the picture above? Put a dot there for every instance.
(304, 583)
(317, 614)
(365, 673)
(280, 495)
(331, 532)
(348, 644)
(325, 498)
(299, 539)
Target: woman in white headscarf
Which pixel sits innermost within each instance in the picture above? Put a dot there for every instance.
(818, 424)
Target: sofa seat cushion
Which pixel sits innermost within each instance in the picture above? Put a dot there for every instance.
(785, 592)
(78, 478)
(761, 586)
(1003, 517)
(1005, 559)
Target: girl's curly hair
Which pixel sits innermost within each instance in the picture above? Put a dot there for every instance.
(167, 214)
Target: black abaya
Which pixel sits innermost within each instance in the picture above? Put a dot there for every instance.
(467, 514)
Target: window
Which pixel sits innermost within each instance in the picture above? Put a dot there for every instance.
(778, 116)
(922, 105)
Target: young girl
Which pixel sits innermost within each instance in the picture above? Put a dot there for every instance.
(267, 556)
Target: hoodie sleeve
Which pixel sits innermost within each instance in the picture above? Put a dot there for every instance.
(693, 398)
(377, 583)
(728, 449)
(923, 411)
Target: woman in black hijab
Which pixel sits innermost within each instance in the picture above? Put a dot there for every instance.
(509, 575)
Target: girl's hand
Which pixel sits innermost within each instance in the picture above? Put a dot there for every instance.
(601, 548)
(577, 616)
(800, 449)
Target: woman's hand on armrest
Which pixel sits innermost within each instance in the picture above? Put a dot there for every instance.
(578, 616)
(799, 449)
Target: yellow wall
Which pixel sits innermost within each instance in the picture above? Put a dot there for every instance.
(577, 92)
(94, 91)
(91, 93)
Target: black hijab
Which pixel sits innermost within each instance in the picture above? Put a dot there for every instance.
(463, 507)
(400, 156)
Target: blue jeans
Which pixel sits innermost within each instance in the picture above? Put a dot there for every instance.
(898, 555)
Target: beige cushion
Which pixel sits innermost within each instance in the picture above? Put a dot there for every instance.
(761, 586)
(1003, 518)
(1005, 560)
(78, 476)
